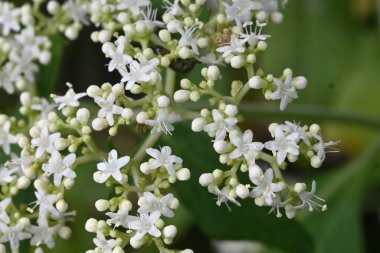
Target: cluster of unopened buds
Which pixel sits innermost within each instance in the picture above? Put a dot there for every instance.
(52, 137)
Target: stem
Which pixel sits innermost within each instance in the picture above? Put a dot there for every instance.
(299, 112)
(170, 82)
(272, 161)
(149, 142)
(246, 88)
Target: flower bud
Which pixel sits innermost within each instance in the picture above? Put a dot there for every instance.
(181, 96)
(83, 115)
(242, 191)
(316, 162)
(94, 91)
(165, 35)
(213, 73)
(64, 232)
(102, 204)
(163, 101)
(256, 82)
(183, 174)
(299, 187)
(237, 62)
(198, 124)
(142, 117)
(231, 110)
(99, 124)
(221, 147)
(185, 53)
(136, 244)
(206, 179)
(170, 231)
(314, 128)
(91, 225)
(61, 206)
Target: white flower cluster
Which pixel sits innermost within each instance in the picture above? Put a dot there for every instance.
(51, 138)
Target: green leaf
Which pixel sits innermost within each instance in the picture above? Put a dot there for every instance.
(339, 229)
(242, 223)
(48, 74)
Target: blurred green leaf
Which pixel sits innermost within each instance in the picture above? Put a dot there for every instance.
(339, 229)
(48, 74)
(244, 223)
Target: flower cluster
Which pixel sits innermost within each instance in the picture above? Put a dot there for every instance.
(52, 137)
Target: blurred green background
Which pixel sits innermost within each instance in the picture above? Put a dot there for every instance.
(336, 45)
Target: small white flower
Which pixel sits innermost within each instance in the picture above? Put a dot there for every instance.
(105, 246)
(252, 37)
(173, 8)
(188, 38)
(236, 46)
(244, 146)
(221, 125)
(119, 59)
(108, 108)
(70, 99)
(306, 198)
(45, 142)
(43, 234)
(77, 12)
(3, 210)
(290, 127)
(60, 167)
(9, 18)
(6, 138)
(133, 5)
(284, 91)
(321, 147)
(163, 122)
(137, 73)
(111, 168)
(211, 59)
(163, 158)
(8, 76)
(31, 42)
(120, 218)
(149, 20)
(153, 204)
(283, 144)
(44, 107)
(265, 188)
(13, 235)
(46, 202)
(224, 196)
(144, 224)
(6, 175)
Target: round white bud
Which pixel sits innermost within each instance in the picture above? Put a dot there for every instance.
(299, 187)
(237, 62)
(165, 35)
(251, 58)
(104, 36)
(165, 61)
(145, 168)
(231, 110)
(181, 96)
(198, 124)
(213, 73)
(136, 244)
(26, 98)
(163, 101)
(159, 224)
(99, 124)
(242, 191)
(23, 182)
(187, 251)
(52, 7)
(290, 211)
(314, 129)
(142, 117)
(221, 147)
(64, 232)
(94, 91)
(44, 57)
(206, 179)
(183, 174)
(23, 142)
(83, 115)
(118, 249)
(102, 204)
(185, 53)
(91, 225)
(316, 162)
(61, 206)
(287, 72)
(272, 127)
(277, 17)
(195, 96)
(174, 204)
(217, 173)
(255, 172)
(262, 45)
(127, 113)
(299, 82)
(68, 183)
(170, 231)
(202, 42)
(118, 89)
(71, 33)
(173, 25)
(256, 82)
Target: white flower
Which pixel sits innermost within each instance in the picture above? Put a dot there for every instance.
(149, 20)
(43, 234)
(144, 224)
(235, 47)
(153, 204)
(241, 10)
(137, 73)
(173, 8)
(24, 64)
(119, 59)
(252, 37)
(60, 167)
(306, 198)
(105, 246)
(133, 5)
(13, 235)
(290, 127)
(188, 38)
(3, 210)
(45, 142)
(221, 125)
(108, 108)
(8, 76)
(44, 107)
(211, 59)
(163, 159)
(77, 12)
(224, 196)
(9, 18)
(244, 146)
(284, 91)
(283, 144)
(22, 162)
(46, 202)
(265, 188)
(120, 218)
(320, 147)
(70, 99)
(30, 42)
(6, 175)
(111, 168)
(6, 138)
(163, 122)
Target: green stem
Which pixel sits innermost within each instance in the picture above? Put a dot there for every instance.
(149, 142)
(246, 88)
(272, 161)
(170, 82)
